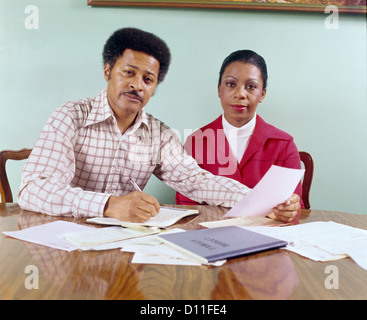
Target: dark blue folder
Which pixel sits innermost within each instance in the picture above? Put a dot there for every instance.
(209, 245)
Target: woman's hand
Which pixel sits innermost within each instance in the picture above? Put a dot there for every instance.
(287, 211)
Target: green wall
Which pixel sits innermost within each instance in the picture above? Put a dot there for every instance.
(316, 92)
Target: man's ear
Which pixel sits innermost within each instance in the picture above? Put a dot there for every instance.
(107, 71)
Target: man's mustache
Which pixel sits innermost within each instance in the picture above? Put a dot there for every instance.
(134, 93)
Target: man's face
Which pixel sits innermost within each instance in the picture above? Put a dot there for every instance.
(131, 82)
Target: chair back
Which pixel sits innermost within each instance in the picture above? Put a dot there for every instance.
(5, 190)
(307, 179)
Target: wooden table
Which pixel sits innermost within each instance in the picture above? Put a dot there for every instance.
(276, 274)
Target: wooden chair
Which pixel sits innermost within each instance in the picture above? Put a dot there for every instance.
(5, 190)
(307, 179)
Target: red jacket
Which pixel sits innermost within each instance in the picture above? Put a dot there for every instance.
(267, 146)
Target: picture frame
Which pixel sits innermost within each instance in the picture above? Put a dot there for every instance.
(343, 6)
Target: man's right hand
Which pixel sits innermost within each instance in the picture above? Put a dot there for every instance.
(136, 206)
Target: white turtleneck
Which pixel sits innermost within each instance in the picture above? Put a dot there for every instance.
(238, 138)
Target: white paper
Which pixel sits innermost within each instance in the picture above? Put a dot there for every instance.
(155, 259)
(96, 236)
(152, 250)
(242, 221)
(147, 240)
(58, 234)
(49, 234)
(147, 251)
(322, 241)
(357, 251)
(165, 218)
(349, 241)
(162, 254)
(277, 185)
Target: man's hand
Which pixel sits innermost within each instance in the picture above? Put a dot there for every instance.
(136, 206)
(287, 211)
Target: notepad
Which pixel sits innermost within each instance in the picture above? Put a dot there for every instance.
(165, 218)
(209, 245)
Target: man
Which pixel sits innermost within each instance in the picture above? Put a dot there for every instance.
(91, 150)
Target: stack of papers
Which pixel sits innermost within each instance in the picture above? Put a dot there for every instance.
(69, 236)
(322, 241)
(100, 236)
(152, 250)
(319, 241)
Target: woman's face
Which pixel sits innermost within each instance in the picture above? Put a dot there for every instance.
(240, 91)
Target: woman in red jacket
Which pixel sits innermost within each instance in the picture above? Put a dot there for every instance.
(240, 144)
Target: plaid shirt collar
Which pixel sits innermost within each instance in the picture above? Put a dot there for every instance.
(102, 111)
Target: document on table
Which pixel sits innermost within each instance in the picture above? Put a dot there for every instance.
(152, 250)
(48, 234)
(99, 236)
(322, 241)
(277, 185)
(69, 236)
(165, 218)
(243, 221)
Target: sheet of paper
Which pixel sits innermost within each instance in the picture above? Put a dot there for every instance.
(315, 253)
(162, 251)
(56, 234)
(322, 241)
(346, 240)
(152, 250)
(147, 240)
(96, 236)
(49, 234)
(277, 185)
(293, 234)
(242, 221)
(357, 251)
(155, 259)
(162, 254)
(156, 252)
(165, 218)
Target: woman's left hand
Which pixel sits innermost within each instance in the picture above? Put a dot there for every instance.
(287, 211)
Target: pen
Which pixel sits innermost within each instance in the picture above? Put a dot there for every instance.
(135, 185)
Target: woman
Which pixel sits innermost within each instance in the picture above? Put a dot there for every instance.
(240, 144)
